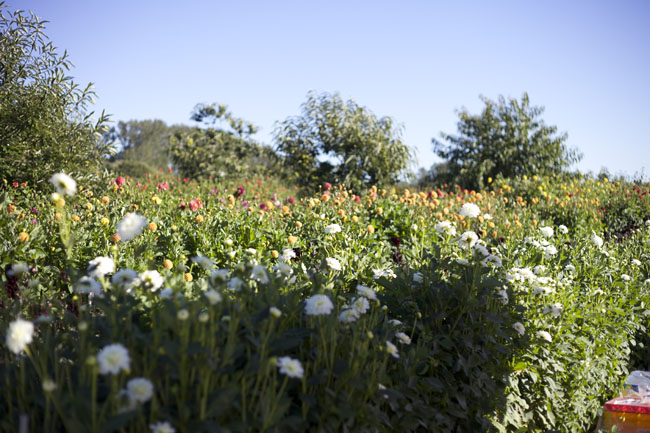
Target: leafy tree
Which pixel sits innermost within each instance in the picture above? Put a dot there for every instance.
(199, 153)
(44, 127)
(341, 142)
(507, 138)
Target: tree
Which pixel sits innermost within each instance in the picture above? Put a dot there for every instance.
(142, 140)
(341, 142)
(507, 138)
(44, 127)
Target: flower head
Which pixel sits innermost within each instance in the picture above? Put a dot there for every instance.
(544, 335)
(140, 389)
(470, 210)
(333, 263)
(113, 358)
(392, 349)
(563, 229)
(348, 315)
(403, 338)
(596, 240)
(290, 367)
(203, 261)
(64, 184)
(366, 291)
(125, 278)
(519, 327)
(332, 228)
(19, 335)
(151, 280)
(131, 225)
(162, 427)
(547, 232)
(89, 285)
(258, 273)
(213, 296)
(446, 228)
(100, 266)
(318, 305)
(467, 239)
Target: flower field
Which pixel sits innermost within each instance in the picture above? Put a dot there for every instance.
(165, 304)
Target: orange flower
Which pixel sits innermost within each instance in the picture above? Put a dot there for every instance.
(168, 264)
(292, 240)
(153, 227)
(188, 277)
(105, 200)
(23, 237)
(116, 238)
(199, 218)
(370, 229)
(275, 254)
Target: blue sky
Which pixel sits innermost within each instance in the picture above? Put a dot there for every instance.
(586, 62)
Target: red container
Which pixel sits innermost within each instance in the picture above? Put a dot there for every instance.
(628, 414)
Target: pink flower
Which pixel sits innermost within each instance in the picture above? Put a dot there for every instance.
(120, 181)
(196, 204)
(327, 186)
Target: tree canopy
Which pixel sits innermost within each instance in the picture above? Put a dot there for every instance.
(341, 142)
(508, 138)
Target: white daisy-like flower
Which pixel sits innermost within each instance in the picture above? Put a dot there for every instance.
(19, 334)
(218, 276)
(392, 349)
(547, 232)
(283, 269)
(88, 285)
(367, 292)
(503, 296)
(470, 210)
(204, 262)
(596, 240)
(563, 229)
(539, 269)
(140, 389)
(151, 280)
(275, 312)
(113, 358)
(288, 254)
(100, 266)
(446, 228)
(213, 296)
(636, 262)
(550, 251)
(131, 225)
(487, 216)
(235, 284)
(290, 367)
(542, 290)
(463, 262)
(387, 273)
(318, 305)
(251, 251)
(554, 310)
(625, 277)
(258, 273)
(481, 250)
(544, 335)
(182, 314)
(394, 322)
(332, 228)
(162, 427)
(64, 184)
(519, 327)
(360, 305)
(348, 315)
(333, 263)
(468, 240)
(17, 270)
(125, 279)
(403, 338)
(570, 268)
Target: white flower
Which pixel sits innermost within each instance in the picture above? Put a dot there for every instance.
(213, 296)
(113, 358)
(284, 269)
(288, 254)
(290, 367)
(555, 310)
(470, 210)
(487, 216)
(503, 296)
(492, 260)
(125, 278)
(550, 251)
(403, 338)
(162, 427)
(88, 285)
(218, 276)
(596, 240)
(519, 327)
(204, 316)
(366, 291)
(463, 262)
(387, 273)
(140, 389)
(333, 263)
(570, 268)
(636, 262)
(360, 305)
(251, 251)
(182, 314)
(478, 248)
(446, 228)
(203, 261)
(100, 266)
(258, 273)
(151, 280)
(394, 322)
(236, 284)
(332, 228)
(563, 229)
(317, 305)
(542, 290)
(17, 270)
(539, 269)
(49, 385)
(547, 232)
(131, 226)
(348, 315)
(275, 312)
(625, 277)
(64, 184)
(544, 335)
(19, 334)
(392, 349)
(418, 277)
(468, 239)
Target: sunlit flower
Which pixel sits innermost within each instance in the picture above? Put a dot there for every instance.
(140, 389)
(636, 262)
(596, 240)
(203, 261)
(275, 312)
(468, 239)
(64, 184)
(470, 210)
(288, 254)
(366, 291)
(519, 327)
(547, 232)
(131, 225)
(360, 305)
(88, 285)
(403, 338)
(446, 228)
(17, 270)
(19, 334)
(550, 251)
(151, 280)
(100, 266)
(539, 269)
(125, 278)
(290, 367)
(563, 229)
(481, 250)
(251, 251)
(625, 277)
(213, 296)
(162, 427)
(332, 228)
(318, 305)
(392, 349)
(333, 263)
(544, 335)
(258, 273)
(348, 315)
(379, 273)
(283, 269)
(554, 310)
(113, 358)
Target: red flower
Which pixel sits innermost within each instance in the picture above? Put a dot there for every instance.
(163, 186)
(327, 186)
(196, 204)
(120, 181)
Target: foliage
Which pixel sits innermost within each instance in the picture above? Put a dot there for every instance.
(341, 142)
(507, 138)
(44, 126)
(465, 368)
(129, 167)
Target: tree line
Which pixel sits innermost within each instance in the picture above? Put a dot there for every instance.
(45, 127)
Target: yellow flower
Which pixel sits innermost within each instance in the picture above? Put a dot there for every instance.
(168, 264)
(292, 240)
(89, 206)
(370, 229)
(23, 237)
(153, 227)
(275, 254)
(199, 218)
(298, 224)
(105, 200)
(380, 211)
(156, 199)
(104, 221)
(188, 277)
(75, 218)
(355, 218)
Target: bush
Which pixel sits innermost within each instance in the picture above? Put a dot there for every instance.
(131, 168)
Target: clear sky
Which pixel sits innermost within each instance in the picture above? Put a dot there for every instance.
(587, 62)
